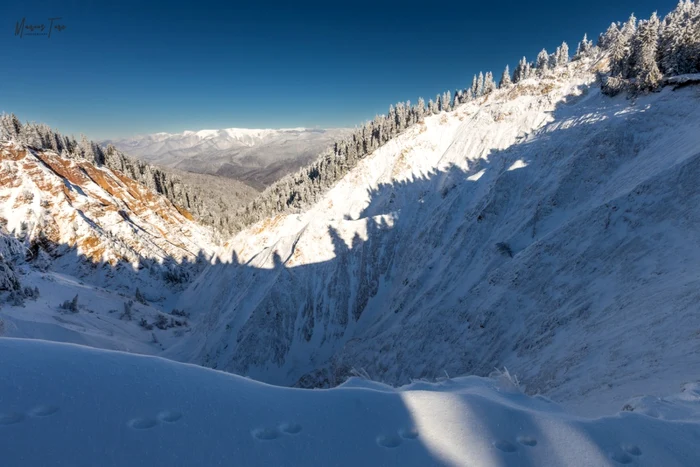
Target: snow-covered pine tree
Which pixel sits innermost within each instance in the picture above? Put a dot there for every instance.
(620, 50)
(505, 79)
(584, 48)
(519, 72)
(542, 63)
(609, 37)
(644, 53)
(563, 54)
(489, 83)
(447, 101)
(679, 47)
(475, 87)
(480, 85)
(432, 107)
(420, 109)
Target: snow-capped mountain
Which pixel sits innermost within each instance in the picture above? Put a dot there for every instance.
(256, 156)
(545, 227)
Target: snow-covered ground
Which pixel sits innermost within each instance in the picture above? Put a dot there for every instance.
(99, 322)
(84, 407)
(69, 228)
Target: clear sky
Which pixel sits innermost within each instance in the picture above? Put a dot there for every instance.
(123, 68)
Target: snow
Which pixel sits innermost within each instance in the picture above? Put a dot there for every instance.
(680, 79)
(545, 228)
(396, 270)
(98, 322)
(85, 407)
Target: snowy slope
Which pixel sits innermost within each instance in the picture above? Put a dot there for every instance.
(117, 409)
(69, 228)
(100, 213)
(255, 156)
(545, 227)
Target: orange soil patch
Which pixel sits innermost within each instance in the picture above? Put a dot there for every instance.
(267, 223)
(184, 212)
(13, 154)
(91, 247)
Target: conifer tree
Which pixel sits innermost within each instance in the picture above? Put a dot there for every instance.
(563, 54)
(489, 83)
(480, 85)
(542, 63)
(620, 49)
(505, 79)
(644, 52)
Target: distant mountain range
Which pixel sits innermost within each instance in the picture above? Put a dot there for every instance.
(256, 156)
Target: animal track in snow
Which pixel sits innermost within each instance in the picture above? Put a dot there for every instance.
(632, 449)
(43, 410)
(526, 440)
(408, 433)
(169, 416)
(621, 457)
(10, 418)
(266, 434)
(389, 441)
(505, 446)
(142, 423)
(290, 428)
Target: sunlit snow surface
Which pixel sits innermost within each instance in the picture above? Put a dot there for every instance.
(84, 407)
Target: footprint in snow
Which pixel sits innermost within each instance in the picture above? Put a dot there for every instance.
(389, 441)
(505, 446)
(408, 433)
(266, 434)
(43, 410)
(169, 416)
(632, 449)
(621, 457)
(290, 428)
(10, 418)
(526, 440)
(142, 423)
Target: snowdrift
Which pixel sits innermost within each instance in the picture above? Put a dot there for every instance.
(85, 407)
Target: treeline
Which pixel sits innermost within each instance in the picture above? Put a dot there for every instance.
(210, 210)
(642, 53)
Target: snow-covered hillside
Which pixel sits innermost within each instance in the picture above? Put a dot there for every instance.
(71, 229)
(83, 407)
(544, 227)
(102, 214)
(256, 156)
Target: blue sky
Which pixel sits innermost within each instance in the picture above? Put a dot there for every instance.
(129, 68)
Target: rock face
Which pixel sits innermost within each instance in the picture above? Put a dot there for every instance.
(106, 217)
(523, 229)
